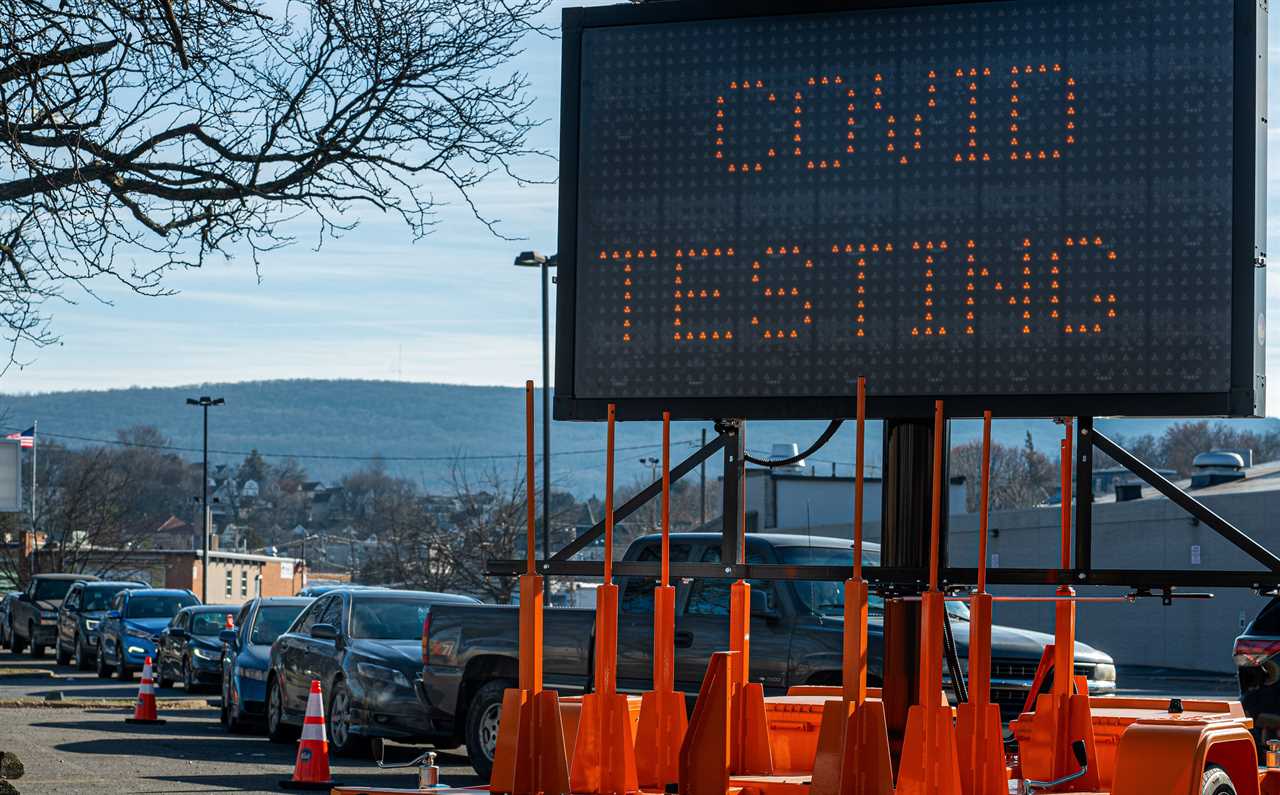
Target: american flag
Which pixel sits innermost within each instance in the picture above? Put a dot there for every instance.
(28, 437)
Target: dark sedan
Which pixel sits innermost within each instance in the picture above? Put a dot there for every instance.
(364, 646)
(189, 649)
(248, 655)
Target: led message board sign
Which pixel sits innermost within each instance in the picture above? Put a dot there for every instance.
(1035, 206)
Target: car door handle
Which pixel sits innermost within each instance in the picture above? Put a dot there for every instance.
(684, 640)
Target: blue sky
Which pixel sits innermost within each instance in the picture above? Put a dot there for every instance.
(376, 304)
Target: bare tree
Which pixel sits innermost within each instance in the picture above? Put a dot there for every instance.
(140, 137)
(1020, 477)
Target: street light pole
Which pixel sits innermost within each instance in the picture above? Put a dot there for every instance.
(528, 259)
(204, 402)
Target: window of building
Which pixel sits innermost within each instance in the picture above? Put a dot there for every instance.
(229, 582)
(244, 582)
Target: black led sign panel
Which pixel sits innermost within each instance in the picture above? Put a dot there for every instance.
(1033, 206)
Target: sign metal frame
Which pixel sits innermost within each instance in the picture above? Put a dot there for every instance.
(1244, 398)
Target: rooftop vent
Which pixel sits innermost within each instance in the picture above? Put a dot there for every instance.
(784, 450)
(1216, 466)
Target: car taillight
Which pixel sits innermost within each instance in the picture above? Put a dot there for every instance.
(1255, 651)
(426, 633)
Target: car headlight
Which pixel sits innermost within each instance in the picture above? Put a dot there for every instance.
(137, 650)
(255, 674)
(134, 632)
(91, 624)
(381, 673)
(1104, 672)
(205, 654)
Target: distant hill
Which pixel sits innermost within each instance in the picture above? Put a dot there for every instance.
(339, 422)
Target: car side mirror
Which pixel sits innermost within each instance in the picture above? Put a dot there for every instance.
(228, 636)
(113, 614)
(760, 605)
(324, 632)
(177, 632)
(24, 597)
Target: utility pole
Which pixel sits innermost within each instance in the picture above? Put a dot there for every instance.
(652, 463)
(206, 515)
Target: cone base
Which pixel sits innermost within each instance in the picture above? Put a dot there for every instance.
(145, 721)
(313, 786)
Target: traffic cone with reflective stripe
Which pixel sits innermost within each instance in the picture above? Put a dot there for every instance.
(311, 770)
(145, 710)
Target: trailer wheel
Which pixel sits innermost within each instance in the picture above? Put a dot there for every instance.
(481, 732)
(1215, 781)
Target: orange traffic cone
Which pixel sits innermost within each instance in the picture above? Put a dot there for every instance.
(311, 770)
(145, 710)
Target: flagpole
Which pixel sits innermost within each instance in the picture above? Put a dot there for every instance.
(34, 433)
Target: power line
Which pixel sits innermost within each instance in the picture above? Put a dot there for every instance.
(324, 457)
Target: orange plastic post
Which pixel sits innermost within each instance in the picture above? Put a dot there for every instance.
(979, 740)
(663, 720)
(929, 765)
(704, 756)
(604, 761)
(853, 740)
(530, 757)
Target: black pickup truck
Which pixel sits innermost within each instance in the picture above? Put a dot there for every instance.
(34, 616)
(470, 651)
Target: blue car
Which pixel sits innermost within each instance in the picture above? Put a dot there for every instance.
(247, 656)
(129, 632)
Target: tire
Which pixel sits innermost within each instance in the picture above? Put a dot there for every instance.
(1215, 781)
(229, 718)
(188, 678)
(338, 723)
(17, 645)
(37, 649)
(122, 670)
(82, 659)
(63, 657)
(278, 730)
(103, 671)
(481, 730)
(162, 681)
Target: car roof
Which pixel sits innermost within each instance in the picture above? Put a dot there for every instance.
(85, 577)
(432, 596)
(210, 609)
(108, 583)
(773, 539)
(267, 601)
(160, 592)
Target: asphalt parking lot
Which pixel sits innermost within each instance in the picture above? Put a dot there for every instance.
(80, 744)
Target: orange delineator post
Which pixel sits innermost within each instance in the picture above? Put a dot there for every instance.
(979, 739)
(1062, 716)
(929, 765)
(604, 761)
(853, 756)
(663, 720)
(530, 758)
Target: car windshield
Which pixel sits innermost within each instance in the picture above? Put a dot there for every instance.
(826, 598)
(99, 598)
(53, 589)
(271, 622)
(157, 606)
(206, 625)
(388, 617)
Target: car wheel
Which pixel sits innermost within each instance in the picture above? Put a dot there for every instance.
(104, 672)
(342, 739)
(231, 720)
(63, 656)
(1215, 781)
(37, 650)
(188, 679)
(82, 660)
(278, 731)
(162, 681)
(122, 670)
(481, 733)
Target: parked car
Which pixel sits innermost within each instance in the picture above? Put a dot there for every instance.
(34, 616)
(364, 647)
(80, 618)
(189, 649)
(1257, 659)
(796, 639)
(247, 657)
(6, 609)
(129, 632)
